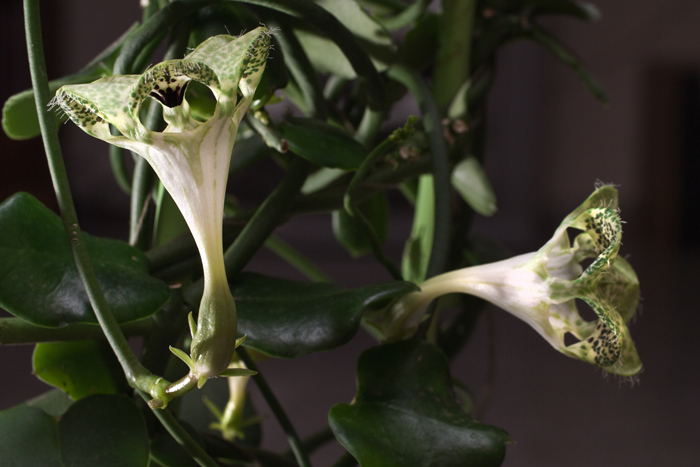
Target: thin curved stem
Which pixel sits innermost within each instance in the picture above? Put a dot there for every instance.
(296, 259)
(317, 17)
(439, 164)
(16, 331)
(181, 436)
(301, 69)
(135, 373)
(351, 206)
(276, 407)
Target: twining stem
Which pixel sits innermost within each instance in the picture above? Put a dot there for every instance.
(440, 165)
(136, 374)
(315, 441)
(18, 331)
(316, 16)
(300, 68)
(277, 409)
(351, 206)
(454, 53)
(183, 438)
(285, 251)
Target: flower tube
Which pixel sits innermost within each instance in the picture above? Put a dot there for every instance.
(190, 157)
(541, 287)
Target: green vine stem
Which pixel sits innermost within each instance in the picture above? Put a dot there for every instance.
(319, 18)
(454, 53)
(301, 69)
(135, 373)
(183, 438)
(350, 201)
(440, 165)
(15, 331)
(285, 251)
(276, 407)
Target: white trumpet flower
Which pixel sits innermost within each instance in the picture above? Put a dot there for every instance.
(190, 157)
(541, 287)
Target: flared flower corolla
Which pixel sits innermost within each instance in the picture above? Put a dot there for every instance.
(190, 157)
(541, 288)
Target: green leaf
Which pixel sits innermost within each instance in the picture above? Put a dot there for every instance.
(287, 319)
(321, 179)
(54, 402)
(405, 413)
(323, 144)
(103, 430)
(80, 368)
(327, 57)
(19, 117)
(470, 181)
(41, 284)
(416, 253)
(28, 437)
(349, 232)
(100, 430)
(417, 50)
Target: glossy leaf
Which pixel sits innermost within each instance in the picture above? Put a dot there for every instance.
(349, 231)
(327, 57)
(100, 430)
(470, 181)
(104, 430)
(28, 437)
(80, 368)
(405, 413)
(323, 144)
(41, 283)
(287, 319)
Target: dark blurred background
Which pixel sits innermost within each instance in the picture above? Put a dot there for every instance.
(549, 141)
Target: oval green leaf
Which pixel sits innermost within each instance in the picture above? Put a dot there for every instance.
(80, 368)
(287, 319)
(104, 430)
(327, 57)
(323, 144)
(41, 283)
(28, 437)
(470, 181)
(405, 413)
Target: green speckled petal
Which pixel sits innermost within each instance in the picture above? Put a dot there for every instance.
(95, 105)
(190, 157)
(541, 288)
(238, 62)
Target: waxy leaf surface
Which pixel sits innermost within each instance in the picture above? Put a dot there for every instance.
(287, 319)
(100, 430)
(40, 282)
(405, 413)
